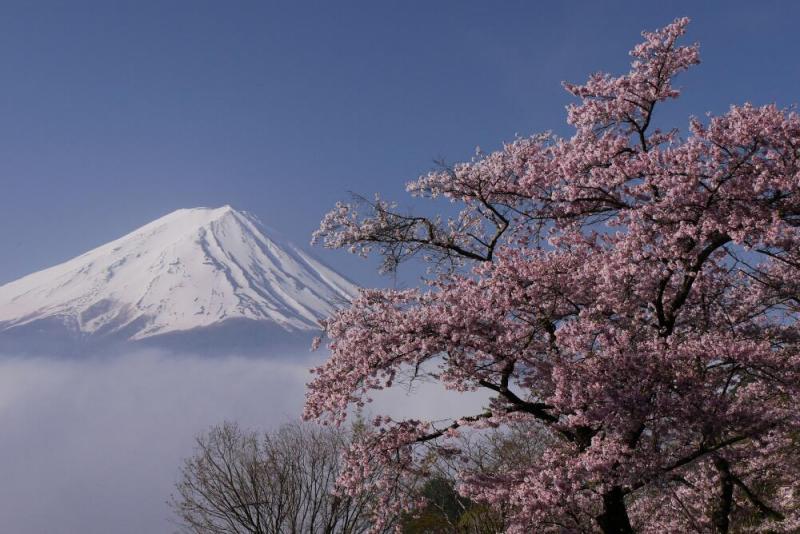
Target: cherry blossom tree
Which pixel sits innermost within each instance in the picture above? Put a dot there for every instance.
(631, 293)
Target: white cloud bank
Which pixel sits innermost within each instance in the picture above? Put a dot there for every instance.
(95, 446)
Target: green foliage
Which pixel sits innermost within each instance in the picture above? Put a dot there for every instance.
(447, 512)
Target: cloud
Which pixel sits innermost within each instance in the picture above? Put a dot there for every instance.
(94, 446)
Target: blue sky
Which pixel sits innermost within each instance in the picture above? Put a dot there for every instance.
(115, 113)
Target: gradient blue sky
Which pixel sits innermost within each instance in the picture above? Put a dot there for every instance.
(115, 113)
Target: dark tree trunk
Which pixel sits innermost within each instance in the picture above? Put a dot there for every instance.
(720, 515)
(614, 519)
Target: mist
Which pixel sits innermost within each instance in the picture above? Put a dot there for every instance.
(95, 446)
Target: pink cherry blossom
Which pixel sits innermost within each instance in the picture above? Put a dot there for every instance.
(634, 293)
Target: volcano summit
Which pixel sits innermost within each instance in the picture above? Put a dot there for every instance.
(191, 278)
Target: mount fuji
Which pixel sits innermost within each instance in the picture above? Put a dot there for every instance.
(195, 278)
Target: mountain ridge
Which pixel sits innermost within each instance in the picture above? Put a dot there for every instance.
(190, 269)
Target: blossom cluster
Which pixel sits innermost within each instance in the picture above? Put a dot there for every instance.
(633, 292)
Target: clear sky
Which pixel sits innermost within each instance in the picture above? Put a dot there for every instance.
(115, 113)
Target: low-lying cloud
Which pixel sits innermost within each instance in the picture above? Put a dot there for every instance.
(94, 446)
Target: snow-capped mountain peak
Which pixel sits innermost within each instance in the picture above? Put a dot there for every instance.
(192, 268)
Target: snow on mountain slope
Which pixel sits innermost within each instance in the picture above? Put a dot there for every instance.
(190, 269)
